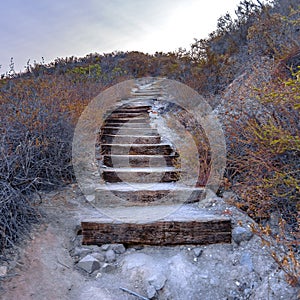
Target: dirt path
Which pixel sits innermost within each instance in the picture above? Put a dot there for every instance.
(46, 269)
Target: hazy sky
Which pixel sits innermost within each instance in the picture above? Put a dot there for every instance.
(32, 29)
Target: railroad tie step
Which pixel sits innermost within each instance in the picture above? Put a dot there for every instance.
(125, 161)
(141, 175)
(137, 149)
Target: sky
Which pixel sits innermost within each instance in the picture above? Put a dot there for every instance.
(32, 29)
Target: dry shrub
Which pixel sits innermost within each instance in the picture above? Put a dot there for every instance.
(264, 169)
(38, 115)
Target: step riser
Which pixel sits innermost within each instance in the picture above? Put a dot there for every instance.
(136, 150)
(135, 161)
(128, 125)
(129, 131)
(133, 108)
(115, 115)
(128, 120)
(105, 198)
(132, 111)
(130, 140)
(140, 177)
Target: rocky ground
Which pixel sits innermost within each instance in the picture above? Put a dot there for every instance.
(53, 264)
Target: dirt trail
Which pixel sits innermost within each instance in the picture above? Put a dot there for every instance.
(46, 269)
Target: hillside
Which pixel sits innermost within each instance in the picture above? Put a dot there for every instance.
(248, 72)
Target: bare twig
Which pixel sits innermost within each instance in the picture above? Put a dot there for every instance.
(134, 294)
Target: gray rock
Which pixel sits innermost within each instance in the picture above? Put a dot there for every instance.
(106, 268)
(105, 247)
(240, 234)
(157, 281)
(81, 252)
(118, 248)
(99, 256)
(90, 198)
(89, 264)
(93, 248)
(151, 292)
(110, 256)
(197, 251)
(246, 260)
(3, 271)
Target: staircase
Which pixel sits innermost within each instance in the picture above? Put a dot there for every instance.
(143, 185)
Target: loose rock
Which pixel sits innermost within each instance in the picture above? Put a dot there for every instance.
(81, 252)
(105, 247)
(151, 292)
(157, 281)
(99, 256)
(240, 234)
(110, 256)
(89, 264)
(118, 248)
(106, 268)
(3, 271)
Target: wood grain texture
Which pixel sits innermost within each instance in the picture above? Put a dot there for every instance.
(157, 233)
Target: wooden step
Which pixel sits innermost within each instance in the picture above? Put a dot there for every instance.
(132, 110)
(187, 225)
(146, 193)
(146, 94)
(128, 114)
(129, 131)
(140, 175)
(142, 120)
(136, 149)
(127, 125)
(135, 106)
(129, 139)
(120, 161)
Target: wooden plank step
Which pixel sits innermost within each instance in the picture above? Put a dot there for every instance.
(147, 193)
(136, 149)
(181, 227)
(128, 114)
(127, 125)
(146, 94)
(135, 106)
(128, 120)
(140, 175)
(129, 139)
(129, 131)
(120, 161)
(132, 110)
